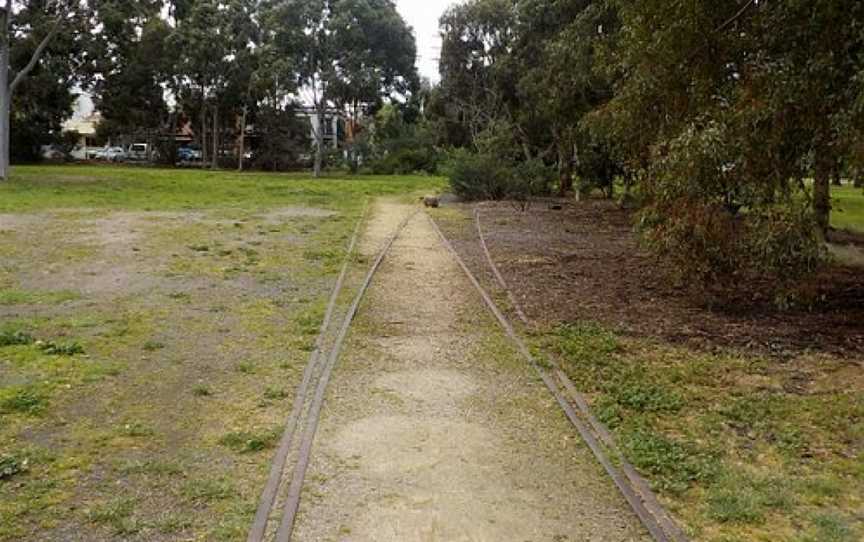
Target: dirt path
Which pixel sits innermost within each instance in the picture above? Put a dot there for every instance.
(434, 429)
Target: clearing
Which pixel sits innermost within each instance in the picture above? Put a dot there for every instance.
(153, 326)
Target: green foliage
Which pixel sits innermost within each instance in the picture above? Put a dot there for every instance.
(245, 442)
(475, 176)
(208, 490)
(712, 245)
(746, 499)
(673, 466)
(28, 400)
(398, 147)
(15, 338)
(11, 465)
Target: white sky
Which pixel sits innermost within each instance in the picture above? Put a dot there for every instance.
(423, 16)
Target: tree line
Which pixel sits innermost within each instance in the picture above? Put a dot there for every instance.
(724, 122)
(220, 64)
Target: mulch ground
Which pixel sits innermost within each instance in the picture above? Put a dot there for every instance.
(583, 262)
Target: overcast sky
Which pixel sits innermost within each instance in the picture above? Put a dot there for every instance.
(423, 16)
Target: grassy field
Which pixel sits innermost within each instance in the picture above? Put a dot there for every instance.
(153, 326)
(848, 208)
(740, 447)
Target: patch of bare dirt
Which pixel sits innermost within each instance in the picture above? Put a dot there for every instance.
(584, 262)
(435, 429)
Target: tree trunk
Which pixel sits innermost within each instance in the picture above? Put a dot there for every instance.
(5, 111)
(319, 139)
(822, 194)
(565, 172)
(5, 93)
(203, 134)
(215, 163)
(242, 138)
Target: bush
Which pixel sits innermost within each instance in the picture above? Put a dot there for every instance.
(711, 245)
(482, 176)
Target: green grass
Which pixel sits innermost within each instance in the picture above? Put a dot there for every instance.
(21, 297)
(161, 387)
(34, 188)
(848, 210)
(735, 449)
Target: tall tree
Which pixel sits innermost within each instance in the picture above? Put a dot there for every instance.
(346, 52)
(133, 61)
(45, 20)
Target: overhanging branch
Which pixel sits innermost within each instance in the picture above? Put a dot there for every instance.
(37, 54)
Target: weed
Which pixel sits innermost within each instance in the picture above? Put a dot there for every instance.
(199, 248)
(16, 338)
(632, 391)
(118, 515)
(136, 430)
(172, 523)
(246, 367)
(10, 465)
(20, 297)
(208, 490)
(152, 346)
(60, 349)
(23, 400)
(200, 390)
(247, 442)
(275, 394)
(745, 498)
(674, 466)
(828, 528)
(151, 467)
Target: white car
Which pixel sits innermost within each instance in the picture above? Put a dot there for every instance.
(111, 154)
(79, 153)
(139, 151)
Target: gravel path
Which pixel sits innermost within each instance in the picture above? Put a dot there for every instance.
(434, 428)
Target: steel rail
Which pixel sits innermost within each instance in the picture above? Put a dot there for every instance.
(634, 499)
(495, 271)
(258, 530)
(292, 504)
(600, 431)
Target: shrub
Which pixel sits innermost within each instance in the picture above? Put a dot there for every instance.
(722, 226)
(711, 245)
(483, 176)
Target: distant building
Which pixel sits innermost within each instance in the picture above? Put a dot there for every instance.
(85, 126)
(332, 124)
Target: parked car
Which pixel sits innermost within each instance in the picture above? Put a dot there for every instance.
(79, 153)
(139, 151)
(188, 154)
(116, 154)
(52, 153)
(111, 154)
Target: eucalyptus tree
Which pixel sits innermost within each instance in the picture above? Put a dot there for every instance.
(345, 52)
(30, 25)
(770, 90)
(202, 63)
(478, 73)
(133, 60)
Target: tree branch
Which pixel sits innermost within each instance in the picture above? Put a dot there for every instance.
(37, 54)
(734, 18)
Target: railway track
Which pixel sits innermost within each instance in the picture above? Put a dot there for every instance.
(275, 519)
(280, 499)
